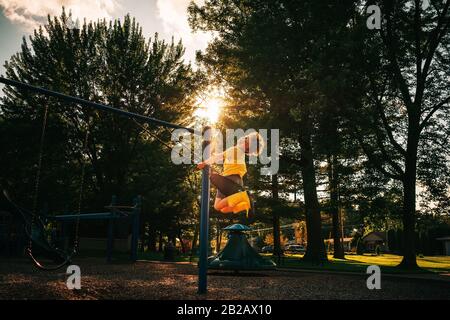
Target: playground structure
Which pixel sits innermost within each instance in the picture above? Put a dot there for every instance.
(205, 193)
(48, 241)
(115, 213)
(238, 254)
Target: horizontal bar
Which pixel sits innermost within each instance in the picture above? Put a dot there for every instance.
(88, 216)
(94, 105)
(120, 207)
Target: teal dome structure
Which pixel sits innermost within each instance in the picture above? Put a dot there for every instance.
(238, 254)
(237, 227)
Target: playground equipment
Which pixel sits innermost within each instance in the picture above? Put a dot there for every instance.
(45, 243)
(205, 194)
(36, 232)
(115, 213)
(238, 254)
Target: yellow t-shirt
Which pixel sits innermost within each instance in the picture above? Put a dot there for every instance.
(234, 162)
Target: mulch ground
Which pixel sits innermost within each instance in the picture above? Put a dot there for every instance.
(145, 280)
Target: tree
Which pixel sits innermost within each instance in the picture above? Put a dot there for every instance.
(264, 50)
(110, 63)
(405, 68)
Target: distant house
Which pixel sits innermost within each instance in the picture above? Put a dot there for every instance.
(346, 243)
(374, 239)
(446, 245)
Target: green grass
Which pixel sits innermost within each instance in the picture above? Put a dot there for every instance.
(358, 263)
(352, 263)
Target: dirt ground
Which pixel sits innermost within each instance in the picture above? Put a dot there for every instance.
(149, 280)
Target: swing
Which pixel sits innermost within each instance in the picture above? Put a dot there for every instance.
(204, 212)
(37, 233)
(35, 227)
(236, 195)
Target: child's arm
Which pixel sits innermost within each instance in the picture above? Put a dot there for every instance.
(215, 157)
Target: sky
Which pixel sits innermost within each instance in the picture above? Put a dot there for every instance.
(19, 18)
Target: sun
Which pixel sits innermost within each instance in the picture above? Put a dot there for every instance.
(209, 109)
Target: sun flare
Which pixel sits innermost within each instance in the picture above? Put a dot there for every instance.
(209, 109)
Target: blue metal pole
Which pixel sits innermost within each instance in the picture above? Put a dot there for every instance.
(98, 106)
(204, 216)
(110, 241)
(135, 228)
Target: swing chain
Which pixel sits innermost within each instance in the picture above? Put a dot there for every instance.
(80, 199)
(37, 187)
(38, 177)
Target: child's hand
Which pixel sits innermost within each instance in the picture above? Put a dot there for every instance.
(201, 165)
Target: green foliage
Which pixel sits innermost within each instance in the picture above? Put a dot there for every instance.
(373, 100)
(110, 63)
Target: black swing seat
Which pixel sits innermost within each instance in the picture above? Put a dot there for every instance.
(36, 232)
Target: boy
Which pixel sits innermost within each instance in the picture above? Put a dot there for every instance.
(230, 197)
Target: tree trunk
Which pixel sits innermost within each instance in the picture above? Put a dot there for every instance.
(180, 237)
(338, 249)
(195, 238)
(151, 240)
(217, 240)
(100, 185)
(409, 197)
(218, 237)
(160, 242)
(276, 219)
(315, 249)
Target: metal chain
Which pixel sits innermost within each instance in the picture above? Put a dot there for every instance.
(159, 139)
(38, 177)
(169, 146)
(153, 135)
(80, 199)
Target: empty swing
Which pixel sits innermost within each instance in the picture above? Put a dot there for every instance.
(35, 226)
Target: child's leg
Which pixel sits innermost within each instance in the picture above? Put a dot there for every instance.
(217, 203)
(222, 205)
(227, 210)
(230, 185)
(220, 201)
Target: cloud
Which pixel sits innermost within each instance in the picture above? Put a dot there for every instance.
(173, 14)
(31, 14)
